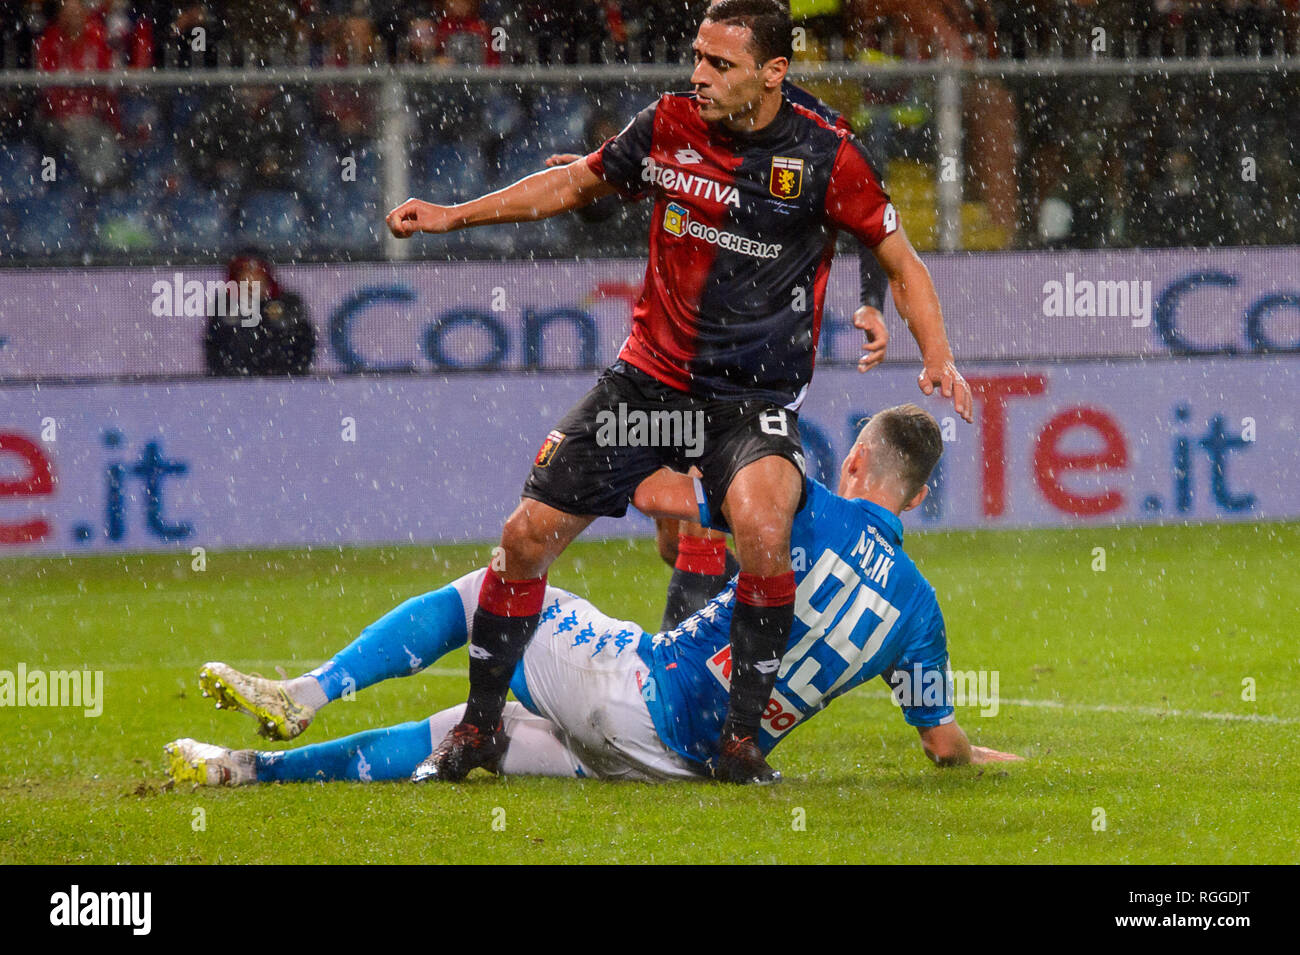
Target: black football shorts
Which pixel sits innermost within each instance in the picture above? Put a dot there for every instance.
(630, 425)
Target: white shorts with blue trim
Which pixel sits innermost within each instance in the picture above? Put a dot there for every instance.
(583, 675)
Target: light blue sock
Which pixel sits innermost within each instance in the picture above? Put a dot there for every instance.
(403, 641)
(372, 756)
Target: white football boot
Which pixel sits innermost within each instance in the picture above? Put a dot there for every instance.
(279, 716)
(204, 764)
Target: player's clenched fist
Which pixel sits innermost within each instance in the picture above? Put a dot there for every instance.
(416, 215)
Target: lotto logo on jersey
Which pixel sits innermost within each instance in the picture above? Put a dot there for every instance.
(675, 219)
(549, 447)
(786, 181)
(890, 219)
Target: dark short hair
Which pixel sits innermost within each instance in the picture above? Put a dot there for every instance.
(769, 23)
(912, 433)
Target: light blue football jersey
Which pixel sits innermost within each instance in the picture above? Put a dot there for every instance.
(862, 610)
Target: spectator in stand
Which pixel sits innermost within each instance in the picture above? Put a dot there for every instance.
(267, 32)
(80, 123)
(1073, 186)
(129, 33)
(246, 138)
(188, 32)
(420, 40)
(460, 35)
(346, 112)
(1174, 191)
(389, 19)
(21, 24)
(963, 29)
(282, 342)
(671, 21)
(251, 33)
(570, 31)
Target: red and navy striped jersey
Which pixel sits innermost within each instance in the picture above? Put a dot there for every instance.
(873, 284)
(801, 97)
(741, 239)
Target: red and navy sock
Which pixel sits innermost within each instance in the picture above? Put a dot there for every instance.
(504, 622)
(760, 629)
(703, 567)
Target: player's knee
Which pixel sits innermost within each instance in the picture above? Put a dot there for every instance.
(763, 546)
(770, 491)
(767, 526)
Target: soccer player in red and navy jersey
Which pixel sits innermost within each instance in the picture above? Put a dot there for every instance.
(701, 562)
(749, 193)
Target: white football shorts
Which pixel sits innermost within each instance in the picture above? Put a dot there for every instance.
(590, 693)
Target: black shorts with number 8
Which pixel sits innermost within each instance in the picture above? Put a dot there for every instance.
(630, 425)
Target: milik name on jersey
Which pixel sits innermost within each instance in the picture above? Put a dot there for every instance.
(673, 180)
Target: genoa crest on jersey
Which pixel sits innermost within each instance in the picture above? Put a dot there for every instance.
(549, 447)
(786, 180)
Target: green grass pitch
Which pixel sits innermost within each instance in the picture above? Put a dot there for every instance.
(1123, 687)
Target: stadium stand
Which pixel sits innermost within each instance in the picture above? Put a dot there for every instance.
(1097, 160)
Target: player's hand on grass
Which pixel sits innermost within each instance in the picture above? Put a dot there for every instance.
(416, 215)
(945, 376)
(872, 323)
(561, 159)
(982, 754)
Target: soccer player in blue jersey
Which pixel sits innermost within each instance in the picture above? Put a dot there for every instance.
(599, 697)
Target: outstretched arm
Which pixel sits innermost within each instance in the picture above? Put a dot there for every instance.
(947, 745)
(918, 303)
(539, 196)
